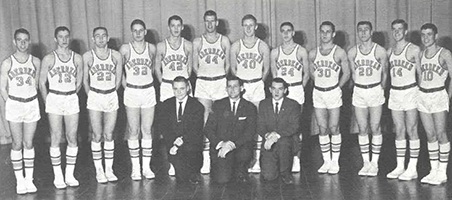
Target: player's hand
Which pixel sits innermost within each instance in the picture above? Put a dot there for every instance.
(230, 145)
(178, 141)
(219, 145)
(301, 137)
(173, 150)
(269, 143)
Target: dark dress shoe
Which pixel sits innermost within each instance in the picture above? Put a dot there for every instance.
(287, 179)
(242, 179)
(195, 179)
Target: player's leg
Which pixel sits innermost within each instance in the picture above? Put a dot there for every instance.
(109, 144)
(71, 126)
(377, 138)
(336, 140)
(324, 139)
(398, 118)
(16, 155)
(297, 147)
(411, 122)
(207, 103)
(96, 148)
(432, 145)
(29, 130)
(444, 147)
(147, 120)
(133, 129)
(363, 138)
(56, 132)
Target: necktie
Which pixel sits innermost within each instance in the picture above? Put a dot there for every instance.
(179, 112)
(233, 107)
(276, 108)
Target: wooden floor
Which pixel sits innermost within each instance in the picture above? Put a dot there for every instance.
(308, 184)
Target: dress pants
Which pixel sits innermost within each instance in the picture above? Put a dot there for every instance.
(278, 160)
(234, 165)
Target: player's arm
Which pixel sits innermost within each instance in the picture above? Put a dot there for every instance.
(302, 54)
(117, 58)
(273, 57)
(87, 62)
(447, 59)
(125, 54)
(189, 52)
(312, 55)
(341, 56)
(383, 59)
(47, 61)
(414, 56)
(78, 61)
(152, 52)
(196, 48)
(234, 51)
(226, 45)
(158, 60)
(351, 58)
(37, 64)
(6, 66)
(265, 50)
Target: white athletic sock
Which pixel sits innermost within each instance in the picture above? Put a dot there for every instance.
(377, 140)
(55, 157)
(400, 152)
(96, 149)
(363, 141)
(443, 156)
(325, 147)
(433, 151)
(146, 146)
(336, 141)
(134, 150)
(414, 153)
(29, 161)
(109, 148)
(16, 160)
(71, 157)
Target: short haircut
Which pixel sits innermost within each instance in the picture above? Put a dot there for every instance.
(234, 78)
(249, 16)
(328, 23)
(21, 30)
(138, 21)
(287, 24)
(100, 28)
(430, 26)
(210, 13)
(61, 28)
(181, 79)
(400, 21)
(364, 23)
(175, 17)
(280, 80)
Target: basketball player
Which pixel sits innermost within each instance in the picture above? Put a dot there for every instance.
(102, 78)
(139, 97)
(433, 105)
(211, 64)
(250, 61)
(327, 62)
(403, 61)
(18, 84)
(289, 61)
(174, 57)
(63, 70)
(369, 73)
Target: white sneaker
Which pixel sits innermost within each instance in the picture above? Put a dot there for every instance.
(59, 183)
(395, 173)
(334, 168)
(324, 168)
(71, 181)
(147, 173)
(255, 169)
(439, 178)
(21, 187)
(31, 188)
(100, 176)
(429, 177)
(136, 174)
(408, 175)
(364, 170)
(373, 170)
(296, 164)
(171, 170)
(110, 175)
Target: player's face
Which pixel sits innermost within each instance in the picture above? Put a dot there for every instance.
(22, 42)
(62, 39)
(398, 32)
(249, 27)
(364, 32)
(175, 28)
(326, 33)
(428, 37)
(233, 88)
(180, 90)
(138, 32)
(100, 38)
(277, 90)
(210, 23)
(287, 33)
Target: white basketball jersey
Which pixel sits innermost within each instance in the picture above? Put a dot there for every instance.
(175, 62)
(367, 68)
(139, 67)
(102, 74)
(22, 82)
(62, 75)
(403, 71)
(288, 67)
(211, 58)
(433, 75)
(326, 69)
(249, 61)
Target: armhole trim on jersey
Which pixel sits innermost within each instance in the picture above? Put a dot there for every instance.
(335, 50)
(406, 51)
(439, 55)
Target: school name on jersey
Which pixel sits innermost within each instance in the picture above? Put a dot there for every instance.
(212, 51)
(175, 58)
(250, 56)
(63, 69)
(21, 71)
(402, 63)
(327, 64)
(289, 63)
(103, 67)
(139, 61)
(367, 63)
(432, 67)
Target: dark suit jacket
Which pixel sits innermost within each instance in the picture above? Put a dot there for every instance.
(286, 123)
(190, 127)
(223, 125)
